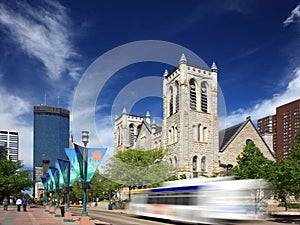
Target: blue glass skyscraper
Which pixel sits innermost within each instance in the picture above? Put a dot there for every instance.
(50, 134)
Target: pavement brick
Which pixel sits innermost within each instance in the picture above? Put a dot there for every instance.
(33, 216)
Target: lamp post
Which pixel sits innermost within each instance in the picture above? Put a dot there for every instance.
(68, 188)
(85, 140)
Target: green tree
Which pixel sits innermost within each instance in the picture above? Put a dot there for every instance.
(252, 164)
(77, 191)
(13, 180)
(102, 188)
(286, 175)
(139, 168)
(294, 159)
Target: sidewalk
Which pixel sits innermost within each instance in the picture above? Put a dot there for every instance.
(33, 216)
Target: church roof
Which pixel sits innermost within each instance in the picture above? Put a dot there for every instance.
(227, 135)
(158, 128)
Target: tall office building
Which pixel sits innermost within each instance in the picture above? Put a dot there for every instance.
(10, 140)
(50, 135)
(283, 126)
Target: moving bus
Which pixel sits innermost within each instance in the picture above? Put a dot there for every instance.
(207, 200)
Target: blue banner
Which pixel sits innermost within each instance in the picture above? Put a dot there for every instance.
(53, 172)
(68, 173)
(60, 175)
(49, 182)
(73, 175)
(94, 158)
(71, 154)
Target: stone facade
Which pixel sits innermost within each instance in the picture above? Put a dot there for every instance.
(190, 124)
(125, 130)
(236, 143)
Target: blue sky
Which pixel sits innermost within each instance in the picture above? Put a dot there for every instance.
(47, 47)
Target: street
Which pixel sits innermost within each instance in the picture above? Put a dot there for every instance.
(124, 219)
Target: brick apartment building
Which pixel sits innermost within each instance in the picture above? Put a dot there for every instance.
(281, 127)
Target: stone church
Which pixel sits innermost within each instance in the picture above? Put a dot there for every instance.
(190, 124)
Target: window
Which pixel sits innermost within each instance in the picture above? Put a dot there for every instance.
(119, 141)
(171, 101)
(175, 133)
(203, 97)
(195, 166)
(248, 141)
(199, 132)
(131, 134)
(193, 96)
(138, 129)
(203, 164)
(204, 134)
(175, 161)
(177, 96)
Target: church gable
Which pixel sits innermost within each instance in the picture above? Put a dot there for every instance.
(236, 142)
(143, 139)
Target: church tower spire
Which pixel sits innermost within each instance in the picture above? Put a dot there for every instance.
(214, 67)
(182, 59)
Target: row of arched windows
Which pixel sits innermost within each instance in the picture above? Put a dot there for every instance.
(200, 133)
(198, 97)
(195, 165)
(174, 99)
(173, 134)
(119, 137)
(174, 161)
(194, 96)
(133, 133)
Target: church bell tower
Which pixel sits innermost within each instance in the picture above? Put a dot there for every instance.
(190, 125)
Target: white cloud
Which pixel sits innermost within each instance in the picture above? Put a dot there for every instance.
(11, 112)
(267, 107)
(293, 17)
(43, 33)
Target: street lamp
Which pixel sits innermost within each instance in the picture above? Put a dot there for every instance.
(85, 140)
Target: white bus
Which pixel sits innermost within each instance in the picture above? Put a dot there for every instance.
(209, 200)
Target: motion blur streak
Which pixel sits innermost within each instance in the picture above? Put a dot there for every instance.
(203, 200)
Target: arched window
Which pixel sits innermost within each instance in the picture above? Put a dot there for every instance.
(138, 129)
(131, 134)
(204, 134)
(119, 141)
(175, 133)
(195, 166)
(199, 132)
(248, 141)
(193, 96)
(170, 161)
(175, 161)
(203, 97)
(203, 164)
(177, 96)
(171, 101)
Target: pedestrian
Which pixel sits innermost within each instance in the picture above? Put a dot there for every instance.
(5, 204)
(24, 203)
(19, 203)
